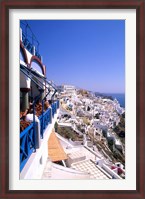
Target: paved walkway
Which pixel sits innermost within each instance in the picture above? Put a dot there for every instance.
(90, 167)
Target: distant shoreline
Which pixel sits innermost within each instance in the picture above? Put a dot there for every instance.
(119, 96)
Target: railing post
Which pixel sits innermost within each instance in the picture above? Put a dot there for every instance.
(52, 109)
(26, 144)
(34, 127)
(58, 104)
(55, 105)
(51, 115)
(42, 127)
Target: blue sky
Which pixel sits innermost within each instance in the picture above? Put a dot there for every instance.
(89, 54)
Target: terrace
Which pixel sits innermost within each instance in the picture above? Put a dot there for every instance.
(29, 138)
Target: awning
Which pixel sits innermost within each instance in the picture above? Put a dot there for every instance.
(55, 150)
(29, 74)
(33, 74)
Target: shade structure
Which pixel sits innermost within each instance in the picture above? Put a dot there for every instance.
(55, 150)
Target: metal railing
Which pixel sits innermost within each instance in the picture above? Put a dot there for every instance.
(54, 108)
(45, 120)
(29, 46)
(29, 39)
(28, 136)
(27, 144)
(57, 104)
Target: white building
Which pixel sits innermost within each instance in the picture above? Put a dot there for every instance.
(69, 89)
(34, 86)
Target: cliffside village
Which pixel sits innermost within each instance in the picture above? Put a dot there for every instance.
(94, 122)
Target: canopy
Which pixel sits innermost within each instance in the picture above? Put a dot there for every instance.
(55, 150)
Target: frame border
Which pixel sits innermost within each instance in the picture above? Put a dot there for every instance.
(139, 5)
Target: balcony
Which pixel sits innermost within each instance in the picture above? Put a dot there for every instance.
(29, 138)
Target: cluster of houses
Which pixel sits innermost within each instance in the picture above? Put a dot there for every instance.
(94, 117)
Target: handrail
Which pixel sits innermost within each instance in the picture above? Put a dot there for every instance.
(54, 108)
(28, 135)
(25, 130)
(27, 144)
(25, 27)
(45, 120)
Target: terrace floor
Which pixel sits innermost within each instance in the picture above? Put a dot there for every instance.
(90, 167)
(83, 169)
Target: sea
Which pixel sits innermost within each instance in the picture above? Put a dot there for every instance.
(119, 96)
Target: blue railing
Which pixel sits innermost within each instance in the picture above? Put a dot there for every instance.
(28, 138)
(54, 108)
(29, 46)
(27, 144)
(57, 103)
(45, 120)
